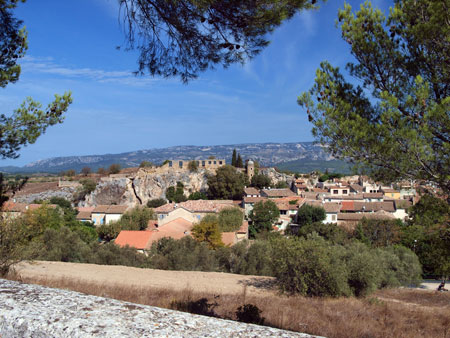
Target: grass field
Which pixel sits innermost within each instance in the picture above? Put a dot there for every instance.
(387, 313)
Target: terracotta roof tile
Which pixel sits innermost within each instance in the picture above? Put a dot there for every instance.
(254, 199)
(116, 209)
(138, 239)
(196, 206)
(251, 191)
(244, 228)
(84, 215)
(277, 192)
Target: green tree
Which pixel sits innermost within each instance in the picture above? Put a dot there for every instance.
(230, 219)
(239, 162)
(29, 121)
(145, 164)
(101, 171)
(397, 124)
(378, 233)
(263, 217)
(114, 168)
(208, 231)
(227, 183)
(86, 171)
(136, 218)
(234, 158)
(427, 233)
(176, 194)
(193, 166)
(157, 202)
(184, 37)
(282, 185)
(197, 195)
(88, 184)
(308, 214)
(261, 181)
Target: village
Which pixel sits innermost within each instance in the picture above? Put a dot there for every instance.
(346, 200)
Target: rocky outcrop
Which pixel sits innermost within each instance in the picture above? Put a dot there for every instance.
(145, 185)
(66, 192)
(34, 311)
(276, 176)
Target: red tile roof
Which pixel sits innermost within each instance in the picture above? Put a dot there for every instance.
(137, 239)
(196, 206)
(244, 228)
(251, 191)
(254, 199)
(110, 209)
(277, 192)
(348, 206)
(83, 215)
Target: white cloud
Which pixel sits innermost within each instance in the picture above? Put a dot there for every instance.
(48, 66)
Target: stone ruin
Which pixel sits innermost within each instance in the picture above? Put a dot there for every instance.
(28, 310)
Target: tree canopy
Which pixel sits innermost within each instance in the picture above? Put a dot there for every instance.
(184, 37)
(396, 123)
(263, 216)
(227, 183)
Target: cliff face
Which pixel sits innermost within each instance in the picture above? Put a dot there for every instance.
(146, 184)
(277, 177)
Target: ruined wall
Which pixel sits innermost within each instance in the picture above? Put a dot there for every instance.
(34, 311)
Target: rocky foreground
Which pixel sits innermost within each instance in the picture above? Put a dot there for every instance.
(34, 311)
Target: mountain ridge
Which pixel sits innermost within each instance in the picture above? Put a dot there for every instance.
(267, 154)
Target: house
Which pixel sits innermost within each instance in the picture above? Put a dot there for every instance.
(401, 209)
(143, 240)
(331, 210)
(277, 193)
(84, 214)
(341, 198)
(373, 197)
(338, 190)
(114, 212)
(104, 214)
(13, 209)
(192, 211)
(249, 202)
(251, 192)
(391, 193)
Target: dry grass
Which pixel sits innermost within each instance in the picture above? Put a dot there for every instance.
(401, 313)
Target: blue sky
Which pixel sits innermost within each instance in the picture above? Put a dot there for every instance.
(72, 46)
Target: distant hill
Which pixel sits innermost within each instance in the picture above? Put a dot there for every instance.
(300, 156)
(306, 166)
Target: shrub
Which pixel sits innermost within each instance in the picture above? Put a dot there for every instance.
(199, 307)
(263, 216)
(310, 267)
(193, 166)
(249, 313)
(114, 168)
(308, 214)
(157, 202)
(230, 219)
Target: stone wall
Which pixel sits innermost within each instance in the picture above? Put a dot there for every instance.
(34, 311)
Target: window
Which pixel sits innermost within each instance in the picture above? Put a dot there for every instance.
(333, 217)
(344, 192)
(203, 163)
(220, 162)
(215, 162)
(180, 164)
(209, 162)
(335, 192)
(170, 163)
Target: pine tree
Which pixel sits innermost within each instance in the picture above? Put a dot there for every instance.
(233, 158)
(239, 162)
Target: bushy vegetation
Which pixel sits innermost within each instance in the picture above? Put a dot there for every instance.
(227, 183)
(321, 260)
(176, 194)
(134, 219)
